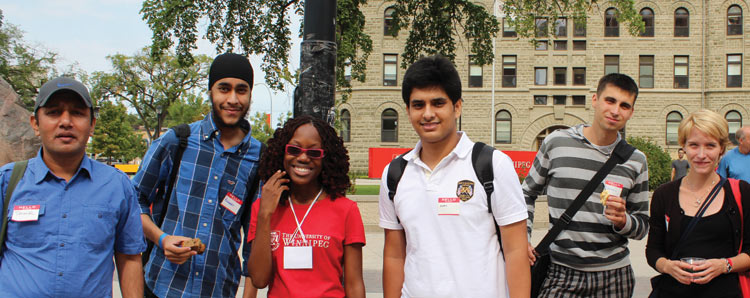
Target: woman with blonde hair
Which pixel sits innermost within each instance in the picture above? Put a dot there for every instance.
(695, 227)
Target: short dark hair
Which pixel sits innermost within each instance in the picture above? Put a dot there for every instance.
(683, 150)
(618, 80)
(432, 71)
(334, 176)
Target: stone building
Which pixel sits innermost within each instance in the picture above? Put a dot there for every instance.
(690, 56)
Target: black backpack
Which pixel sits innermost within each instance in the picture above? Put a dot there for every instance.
(481, 159)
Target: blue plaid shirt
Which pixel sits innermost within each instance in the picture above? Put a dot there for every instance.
(207, 173)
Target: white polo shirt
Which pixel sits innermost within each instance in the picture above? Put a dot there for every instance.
(452, 255)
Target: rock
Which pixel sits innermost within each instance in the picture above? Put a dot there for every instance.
(17, 139)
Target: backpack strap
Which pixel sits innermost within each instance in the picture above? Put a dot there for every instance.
(735, 184)
(183, 132)
(481, 159)
(19, 168)
(395, 171)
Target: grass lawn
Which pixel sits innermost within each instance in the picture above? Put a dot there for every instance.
(366, 190)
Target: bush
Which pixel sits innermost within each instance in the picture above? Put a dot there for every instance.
(659, 162)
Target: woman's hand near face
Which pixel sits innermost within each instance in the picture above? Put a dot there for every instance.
(271, 192)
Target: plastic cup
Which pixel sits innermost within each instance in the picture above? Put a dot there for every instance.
(693, 261)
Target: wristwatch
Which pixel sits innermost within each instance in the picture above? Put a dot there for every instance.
(729, 265)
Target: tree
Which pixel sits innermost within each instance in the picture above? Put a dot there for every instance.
(150, 86)
(522, 14)
(659, 162)
(114, 136)
(262, 130)
(188, 109)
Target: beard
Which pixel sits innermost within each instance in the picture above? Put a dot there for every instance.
(219, 121)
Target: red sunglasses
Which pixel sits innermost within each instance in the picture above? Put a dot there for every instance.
(297, 151)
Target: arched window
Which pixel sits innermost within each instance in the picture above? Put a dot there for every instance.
(734, 20)
(681, 22)
(648, 19)
(673, 123)
(502, 127)
(388, 21)
(389, 126)
(346, 126)
(611, 26)
(734, 119)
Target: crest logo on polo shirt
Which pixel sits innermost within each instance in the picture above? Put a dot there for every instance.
(275, 240)
(465, 190)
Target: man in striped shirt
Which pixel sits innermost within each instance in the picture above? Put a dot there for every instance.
(210, 200)
(590, 257)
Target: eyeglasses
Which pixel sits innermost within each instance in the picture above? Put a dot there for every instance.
(297, 151)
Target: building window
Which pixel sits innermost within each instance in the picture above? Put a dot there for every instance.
(561, 27)
(540, 100)
(541, 27)
(475, 73)
(734, 20)
(390, 69)
(540, 76)
(734, 119)
(681, 72)
(579, 76)
(579, 28)
(579, 100)
(560, 75)
(346, 126)
(558, 100)
(388, 22)
(579, 45)
(611, 64)
(502, 127)
(509, 71)
(561, 45)
(673, 122)
(611, 26)
(389, 126)
(681, 22)
(734, 70)
(508, 30)
(648, 20)
(541, 45)
(348, 70)
(646, 71)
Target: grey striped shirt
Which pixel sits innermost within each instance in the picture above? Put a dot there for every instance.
(565, 163)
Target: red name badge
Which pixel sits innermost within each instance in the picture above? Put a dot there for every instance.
(449, 206)
(25, 213)
(232, 203)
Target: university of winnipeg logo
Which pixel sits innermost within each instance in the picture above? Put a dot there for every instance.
(275, 240)
(465, 190)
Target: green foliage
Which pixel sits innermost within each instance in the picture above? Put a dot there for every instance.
(114, 136)
(26, 66)
(261, 131)
(150, 86)
(364, 190)
(188, 109)
(434, 25)
(659, 162)
(521, 14)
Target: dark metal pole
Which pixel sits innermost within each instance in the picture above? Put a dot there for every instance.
(317, 83)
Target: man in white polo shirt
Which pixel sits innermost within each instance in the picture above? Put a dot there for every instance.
(440, 239)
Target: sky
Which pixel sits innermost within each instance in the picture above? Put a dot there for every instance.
(85, 32)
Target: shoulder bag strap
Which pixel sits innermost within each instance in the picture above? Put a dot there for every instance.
(735, 184)
(620, 154)
(19, 168)
(698, 216)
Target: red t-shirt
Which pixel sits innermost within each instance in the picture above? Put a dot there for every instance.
(330, 225)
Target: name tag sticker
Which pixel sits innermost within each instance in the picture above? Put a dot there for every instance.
(231, 203)
(297, 257)
(448, 206)
(25, 213)
(614, 188)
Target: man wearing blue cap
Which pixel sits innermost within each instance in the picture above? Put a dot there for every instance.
(68, 215)
(210, 199)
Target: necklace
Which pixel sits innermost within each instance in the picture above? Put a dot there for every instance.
(698, 199)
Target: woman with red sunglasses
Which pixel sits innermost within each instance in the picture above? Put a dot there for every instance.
(304, 233)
